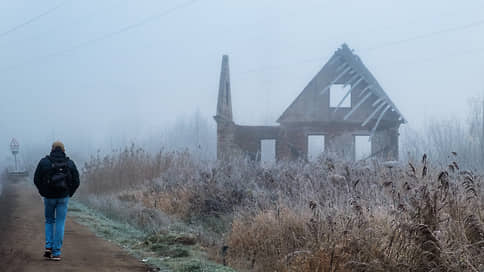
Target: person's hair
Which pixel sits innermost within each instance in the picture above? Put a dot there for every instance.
(58, 144)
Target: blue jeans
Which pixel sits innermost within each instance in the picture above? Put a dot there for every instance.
(55, 219)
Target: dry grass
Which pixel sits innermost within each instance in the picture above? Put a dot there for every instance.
(411, 219)
(321, 216)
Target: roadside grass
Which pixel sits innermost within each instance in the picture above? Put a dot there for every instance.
(327, 215)
(167, 251)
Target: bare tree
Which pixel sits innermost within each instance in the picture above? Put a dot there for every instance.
(443, 139)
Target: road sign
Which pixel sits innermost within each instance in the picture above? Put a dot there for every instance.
(14, 146)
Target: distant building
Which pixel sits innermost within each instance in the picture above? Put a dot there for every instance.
(363, 109)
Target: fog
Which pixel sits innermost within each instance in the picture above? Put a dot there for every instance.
(99, 75)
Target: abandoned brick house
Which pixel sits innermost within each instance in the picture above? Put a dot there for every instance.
(364, 109)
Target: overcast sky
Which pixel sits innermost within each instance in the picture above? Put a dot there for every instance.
(91, 70)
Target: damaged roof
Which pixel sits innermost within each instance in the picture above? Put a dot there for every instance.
(350, 71)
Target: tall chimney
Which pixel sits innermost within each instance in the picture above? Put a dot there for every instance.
(225, 124)
(224, 104)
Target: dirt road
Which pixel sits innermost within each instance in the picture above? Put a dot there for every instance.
(22, 239)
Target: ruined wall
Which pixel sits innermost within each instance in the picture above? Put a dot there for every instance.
(371, 112)
(384, 144)
(291, 144)
(292, 141)
(340, 145)
(248, 138)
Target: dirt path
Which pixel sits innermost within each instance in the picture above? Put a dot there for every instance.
(22, 239)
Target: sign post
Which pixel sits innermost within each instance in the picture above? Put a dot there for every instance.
(15, 147)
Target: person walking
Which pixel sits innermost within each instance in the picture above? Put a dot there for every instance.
(56, 179)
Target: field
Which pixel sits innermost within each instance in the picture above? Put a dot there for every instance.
(326, 215)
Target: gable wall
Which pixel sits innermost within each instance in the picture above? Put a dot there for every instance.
(312, 106)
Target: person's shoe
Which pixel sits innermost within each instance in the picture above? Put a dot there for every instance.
(48, 253)
(56, 258)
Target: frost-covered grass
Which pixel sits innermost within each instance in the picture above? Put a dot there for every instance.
(301, 216)
(168, 251)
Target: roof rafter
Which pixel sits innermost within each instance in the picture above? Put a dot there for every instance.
(357, 106)
(378, 101)
(343, 65)
(352, 79)
(373, 114)
(354, 61)
(378, 120)
(348, 93)
(365, 89)
(336, 79)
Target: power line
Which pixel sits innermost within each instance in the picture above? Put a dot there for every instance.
(280, 66)
(449, 55)
(106, 36)
(134, 25)
(428, 35)
(390, 44)
(31, 20)
(275, 67)
(73, 22)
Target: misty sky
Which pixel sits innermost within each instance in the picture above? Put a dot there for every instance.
(59, 80)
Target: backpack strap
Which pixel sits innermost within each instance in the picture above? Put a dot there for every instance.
(54, 162)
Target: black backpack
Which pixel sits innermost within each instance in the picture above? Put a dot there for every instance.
(60, 175)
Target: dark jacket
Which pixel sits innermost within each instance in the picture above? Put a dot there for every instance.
(44, 169)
